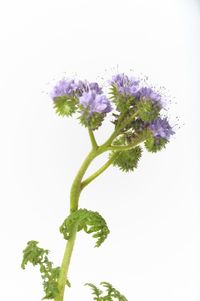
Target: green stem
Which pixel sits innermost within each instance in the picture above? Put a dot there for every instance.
(99, 171)
(65, 266)
(74, 199)
(75, 192)
(120, 126)
(92, 139)
(135, 142)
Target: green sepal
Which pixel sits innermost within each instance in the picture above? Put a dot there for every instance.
(123, 102)
(111, 293)
(65, 105)
(89, 221)
(127, 160)
(38, 256)
(93, 121)
(154, 144)
(147, 110)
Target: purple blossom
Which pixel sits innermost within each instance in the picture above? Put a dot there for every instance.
(161, 128)
(125, 85)
(95, 102)
(148, 93)
(64, 87)
(85, 86)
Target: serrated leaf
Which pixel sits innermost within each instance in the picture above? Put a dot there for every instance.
(38, 256)
(89, 221)
(110, 294)
(95, 291)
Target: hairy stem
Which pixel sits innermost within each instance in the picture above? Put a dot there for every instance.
(100, 170)
(122, 123)
(65, 265)
(137, 140)
(74, 199)
(75, 192)
(92, 139)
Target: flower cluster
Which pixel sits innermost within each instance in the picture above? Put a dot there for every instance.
(161, 128)
(64, 87)
(87, 98)
(125, 85)
(146, 104)
(130, 98)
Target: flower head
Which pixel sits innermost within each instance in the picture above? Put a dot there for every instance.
(64, 87)
(125, 85)
(161, 128)
(147, 93)
(95, 102)
(85, 86)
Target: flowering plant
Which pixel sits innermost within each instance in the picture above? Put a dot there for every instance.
(138, 120)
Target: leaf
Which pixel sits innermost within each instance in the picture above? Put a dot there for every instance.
(33, 254)
(89, 221)
(50, 275)
(110, 294)
(95, 291)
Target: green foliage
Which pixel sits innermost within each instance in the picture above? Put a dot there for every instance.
(89, 221)
(33, 254)
(123, 102)
(95, 291)
(93, 121)
(127, 160)
(65, 106)
(154, 144)
(38, 256)
(111, 294)
(147, 110)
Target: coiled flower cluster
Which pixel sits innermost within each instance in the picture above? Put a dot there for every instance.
(127, 97)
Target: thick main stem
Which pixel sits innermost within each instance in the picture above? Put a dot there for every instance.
(74, 199)
(65, 266)
(76, 188)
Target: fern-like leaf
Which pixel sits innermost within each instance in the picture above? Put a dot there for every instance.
(111, 294)
(95, 291)
(89, 221)
(38, 256)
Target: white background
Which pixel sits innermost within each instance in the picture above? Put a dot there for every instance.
(153, 250)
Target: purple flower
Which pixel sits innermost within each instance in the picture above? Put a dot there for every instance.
(85, 86)
(125, 85)
(147, 93)
(95, 102)
(161, 128)
(64, 87)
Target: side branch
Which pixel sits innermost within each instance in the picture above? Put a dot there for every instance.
(131, 145)
(122, 123)
(99, 171)
(92, 139)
